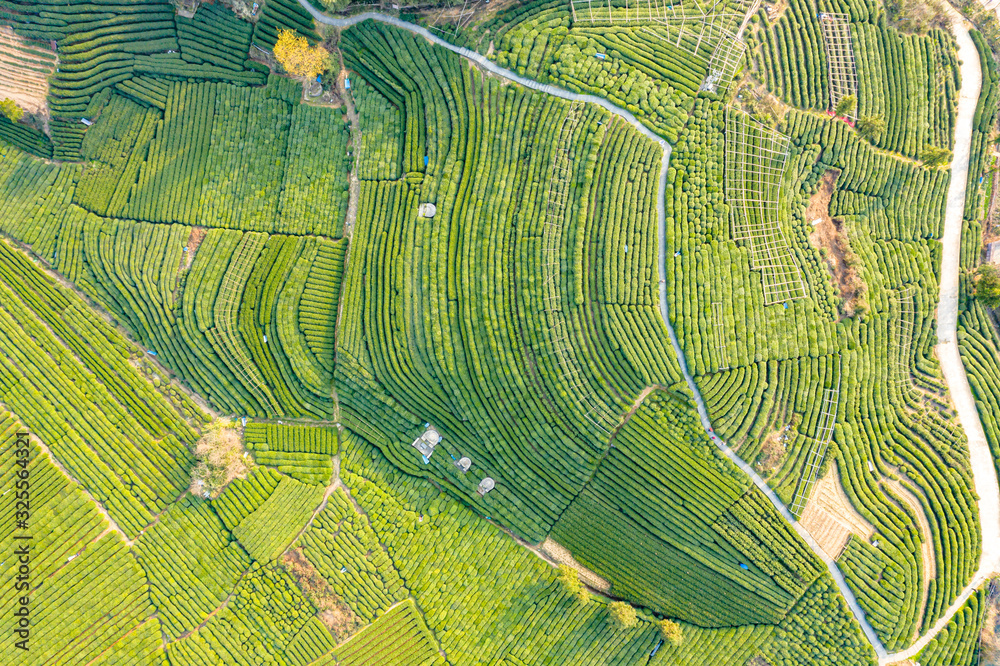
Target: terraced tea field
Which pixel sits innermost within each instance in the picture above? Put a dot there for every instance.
(545, 332)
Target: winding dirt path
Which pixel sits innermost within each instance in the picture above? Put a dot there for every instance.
(927, 541)
(352, 115)
(983, 470)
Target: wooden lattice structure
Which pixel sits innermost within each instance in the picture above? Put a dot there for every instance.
(712, 33)
(821, 442)
(903, 324)
(843, 73)
(754, 165)
(724, 61)
(461, 21)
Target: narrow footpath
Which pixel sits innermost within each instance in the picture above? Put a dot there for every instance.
(985, 477)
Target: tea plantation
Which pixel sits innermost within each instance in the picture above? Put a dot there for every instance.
(545, 332)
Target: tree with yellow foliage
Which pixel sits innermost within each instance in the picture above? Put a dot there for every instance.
(221, 458)
(671, 631)
(570, 581)
(622, 615)
(9, 108)
(297, 57)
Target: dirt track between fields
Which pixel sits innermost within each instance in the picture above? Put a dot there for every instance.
(927, 542)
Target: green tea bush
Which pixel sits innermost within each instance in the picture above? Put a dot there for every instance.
(879, 586)
(267, 621)
(344, 549)
(399, 637)
(820, 621)
(273, 526)
(958, 642)
(71, 380)
(396, 372)
(192, 564)
(301, 452)
(909, 80)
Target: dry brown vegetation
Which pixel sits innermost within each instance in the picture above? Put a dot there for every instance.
(241, 8)
(333, 612)
(830, 517)
(194, 240)
(917, 16)
(221, 458)
(830, 237)
(470, 14)
(758, 661)
(755, 99)
(771, 452)
(989, 654)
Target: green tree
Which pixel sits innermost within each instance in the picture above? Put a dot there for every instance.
(622, 615)
(987, 285)
(934, 156)
(570, 582)
(871, 127)
(846, 106)
(9, 108)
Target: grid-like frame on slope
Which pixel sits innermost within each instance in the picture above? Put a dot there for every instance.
(359, 427)
(464, 18)
(688, 14)
(903, 328)
(754, 164)
(719, 326)
(557, 199)
(712, 35)
(821, 442)
(839, 48)
(226, 308)
(724, 61)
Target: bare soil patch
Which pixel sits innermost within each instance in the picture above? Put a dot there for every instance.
(194, 240)
(775, 10)
(24, 70)
(990, 231)
(830, 238)
(830, 518)
(989, 645)
(556, 552)
(772, 451)
(333, 612)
